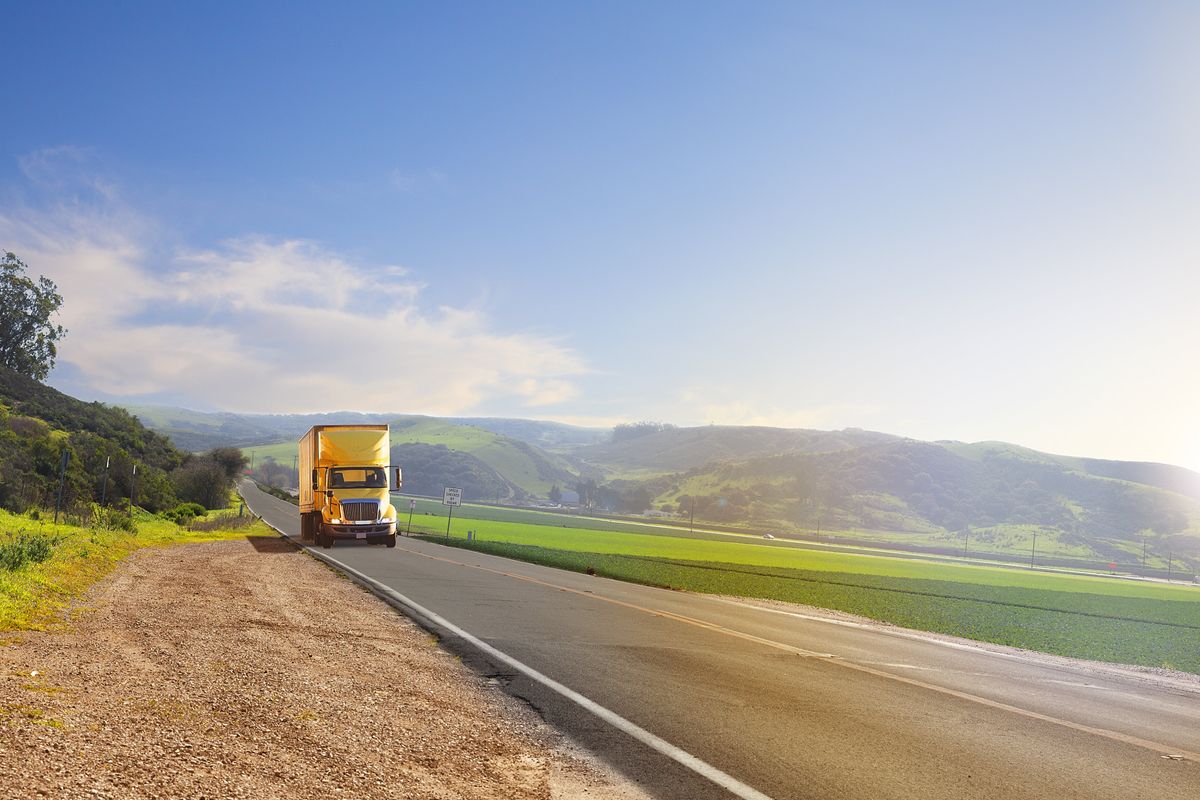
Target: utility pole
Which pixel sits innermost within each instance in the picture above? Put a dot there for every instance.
(411, 505)
(1144, 541)
(132, 488)
(966, 540)
(104, 491)
(692, 518)
(1170, 559)
(1033, 552)
(62, 479)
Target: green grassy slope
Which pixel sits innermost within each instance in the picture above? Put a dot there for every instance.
(524, 465)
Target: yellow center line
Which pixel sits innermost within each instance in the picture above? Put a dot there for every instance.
(830, 658)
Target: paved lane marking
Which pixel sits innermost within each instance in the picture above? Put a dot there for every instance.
(830, 658)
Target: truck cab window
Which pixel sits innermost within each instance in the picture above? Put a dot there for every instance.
(358, 478)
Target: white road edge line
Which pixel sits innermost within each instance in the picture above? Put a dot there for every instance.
(394, 598)
(1109, 671)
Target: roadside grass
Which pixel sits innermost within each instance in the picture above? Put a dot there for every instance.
(769, 554)
(1070, 617)
(67, 559)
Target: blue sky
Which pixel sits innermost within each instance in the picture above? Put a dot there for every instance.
(929, 219)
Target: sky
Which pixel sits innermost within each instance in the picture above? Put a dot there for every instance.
(941, 220)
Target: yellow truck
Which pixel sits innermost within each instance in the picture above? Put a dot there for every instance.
(344, 485)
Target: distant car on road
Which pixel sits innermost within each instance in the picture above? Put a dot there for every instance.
(768, 536)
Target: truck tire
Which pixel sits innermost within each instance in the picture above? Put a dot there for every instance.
(325, 540)
(391, 540)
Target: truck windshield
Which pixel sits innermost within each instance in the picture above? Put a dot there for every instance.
(357, 478)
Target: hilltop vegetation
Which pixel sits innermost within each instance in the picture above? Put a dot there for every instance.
(38, 424)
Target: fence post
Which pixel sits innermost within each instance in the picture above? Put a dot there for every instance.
(62, 479)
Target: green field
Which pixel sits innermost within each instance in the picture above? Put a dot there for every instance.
(1096, 617)
(529, 516)
(874, 542)
(283, 452)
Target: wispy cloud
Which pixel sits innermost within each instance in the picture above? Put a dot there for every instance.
(263, 324)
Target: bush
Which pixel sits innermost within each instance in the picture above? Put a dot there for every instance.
(184, 513)
(26, 548)
(112, 519)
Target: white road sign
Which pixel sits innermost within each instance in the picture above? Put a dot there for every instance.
(452, 497)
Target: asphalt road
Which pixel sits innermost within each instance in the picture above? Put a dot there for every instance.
(795, 706)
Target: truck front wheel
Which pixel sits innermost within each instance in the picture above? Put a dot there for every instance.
(391, 540)
(325, 540)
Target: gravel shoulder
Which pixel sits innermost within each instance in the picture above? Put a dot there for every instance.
(246, 668)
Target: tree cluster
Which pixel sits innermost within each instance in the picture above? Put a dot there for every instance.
(28, 336)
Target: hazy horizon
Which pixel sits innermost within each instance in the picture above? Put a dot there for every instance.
(943, 223)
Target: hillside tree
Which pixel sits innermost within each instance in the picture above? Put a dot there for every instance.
(28, 336)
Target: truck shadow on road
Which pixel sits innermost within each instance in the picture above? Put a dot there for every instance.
(271, 545)
(275, 545)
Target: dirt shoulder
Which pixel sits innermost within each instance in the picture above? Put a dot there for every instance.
(208, 670)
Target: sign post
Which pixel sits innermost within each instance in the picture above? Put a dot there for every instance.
(451, 497)
(104, 491)
(411, 505)
(62, 479)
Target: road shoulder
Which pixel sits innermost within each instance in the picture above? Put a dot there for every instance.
(247, 669)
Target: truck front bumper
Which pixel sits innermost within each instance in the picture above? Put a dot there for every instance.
(377, 530)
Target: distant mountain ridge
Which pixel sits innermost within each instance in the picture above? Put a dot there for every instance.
(202, 430)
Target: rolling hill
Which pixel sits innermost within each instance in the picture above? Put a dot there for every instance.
(677, 449)
(947, 492)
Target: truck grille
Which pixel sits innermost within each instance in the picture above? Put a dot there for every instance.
(355, 512)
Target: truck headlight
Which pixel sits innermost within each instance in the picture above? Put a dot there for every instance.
(336, 521)
(388, 519)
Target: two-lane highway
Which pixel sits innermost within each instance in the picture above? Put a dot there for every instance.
(794, 705)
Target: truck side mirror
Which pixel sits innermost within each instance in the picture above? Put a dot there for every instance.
(399, 482)
(315, 483)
